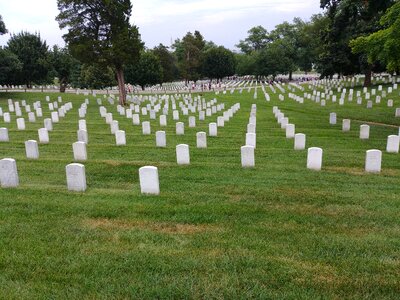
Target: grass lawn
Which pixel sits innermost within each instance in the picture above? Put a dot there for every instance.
(216, 231)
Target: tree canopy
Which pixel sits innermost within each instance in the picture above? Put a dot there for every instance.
(99, 32)
(218, 62)
(32, 52)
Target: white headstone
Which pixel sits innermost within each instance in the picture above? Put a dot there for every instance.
(31, 117)
(114, 126)
(251, 128)
(76, 177)
(4, 135)
(397, 114)
(135, 119)
(8, 173)
(182, 154)
(48, 124)
(149, 181)
(220, 121)
(161, 139)
(392, 145)
(192, 121)
(79, 149)
(180, 128)
(251, 139)
(201, 139)
(247, 156)
(43, 136)
(120, 138)
(284, 122)
(146, 130)
(54, 117)
(21, 124)
(6, 117)
(83, 136)
(346, 125)
(175, 115)
(373, 161)
(32, 149)
(314, 158)
(212, 129)
(299, 141)
(82, 125)
(290, 131)
(163, 120)
(332, 118)
(364, 132)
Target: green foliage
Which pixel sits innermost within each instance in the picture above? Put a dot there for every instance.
(32, 52)
(189, 54)
(272, 61)
(62, 64)
(258, 38)
(245, 64)
(168, 63)
(383, 45)
(9, 66)
(99, 32)
(3, 28)
(218, 63)
(148, 71)
(96, 76)
(348, 20)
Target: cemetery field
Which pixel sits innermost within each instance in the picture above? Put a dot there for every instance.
(217, 230)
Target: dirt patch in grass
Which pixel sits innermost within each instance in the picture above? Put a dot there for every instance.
(377, 123)
(317, 272)
(167, 228)
(361, 171)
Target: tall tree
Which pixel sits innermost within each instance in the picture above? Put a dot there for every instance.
(32, 52)
(99, 32)
(168, 63)
(218, 63)
(147, 71)
(3, 28)
(350, 19)
(189, 53)
(383, 45)
(257, 39)
(9, 67)
(62, 65)
(96, 76)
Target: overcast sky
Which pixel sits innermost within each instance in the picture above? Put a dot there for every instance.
(224, 22)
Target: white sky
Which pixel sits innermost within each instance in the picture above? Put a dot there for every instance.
(224, 22)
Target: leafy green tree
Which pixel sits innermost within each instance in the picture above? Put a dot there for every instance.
(383, 45)
(99, 32)
(32, 52)
(270, 60)
(62, 64)
(148, 71)
(348, 20)
(3, 28)
(246, 64)
(257, 39)
(96, 76)
(189, 53)
(9, 66)
(168, 63)
(218, 63)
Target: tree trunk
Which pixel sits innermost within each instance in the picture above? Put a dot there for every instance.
(121, 86)
(368, 75)
(290, 75)
(63, 86)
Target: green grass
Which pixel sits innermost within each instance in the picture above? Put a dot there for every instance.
(277, 231)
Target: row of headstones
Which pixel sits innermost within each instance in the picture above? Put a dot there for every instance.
(393, 141)
(80, 152)
(373, 160)
(247, 151)
(290, 129)
(76, 177)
